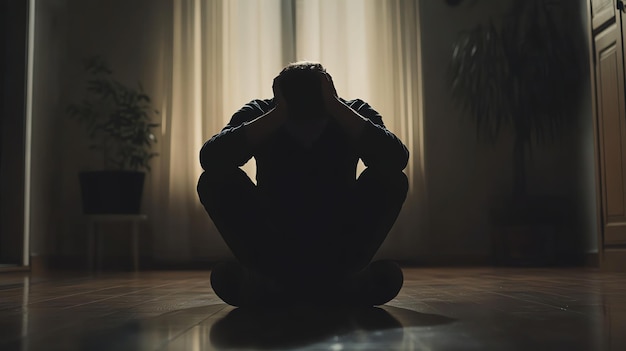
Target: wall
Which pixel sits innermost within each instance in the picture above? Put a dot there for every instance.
(50, 52)
(128, 34)
(13, 21)
(466, 179)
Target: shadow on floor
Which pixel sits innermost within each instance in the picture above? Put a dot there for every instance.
(280, 328)
(222, 327)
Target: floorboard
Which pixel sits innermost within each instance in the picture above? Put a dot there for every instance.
(437, 309)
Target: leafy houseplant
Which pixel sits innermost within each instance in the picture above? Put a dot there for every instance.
(118, 120)
(522, 74)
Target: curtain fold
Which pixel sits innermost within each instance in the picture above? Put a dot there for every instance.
(397, 90)
(372, 50)
(224, 53)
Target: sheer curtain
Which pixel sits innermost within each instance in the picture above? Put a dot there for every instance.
(371, 48)
(223, 53)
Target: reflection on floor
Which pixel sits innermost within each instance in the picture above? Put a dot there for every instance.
(438, 309)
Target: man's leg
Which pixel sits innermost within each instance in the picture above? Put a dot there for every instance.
(338, 259)
(378, 200)
(233, 203)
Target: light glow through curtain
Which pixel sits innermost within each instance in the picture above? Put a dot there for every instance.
(225, 53)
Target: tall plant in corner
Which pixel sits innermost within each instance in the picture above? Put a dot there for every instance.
(522, 74)
(119, 122)
(117, 118)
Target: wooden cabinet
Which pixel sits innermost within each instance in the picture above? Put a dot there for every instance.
(610, 118)
(602, 11)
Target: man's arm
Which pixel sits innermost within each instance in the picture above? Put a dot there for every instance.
(232, 146)
(259, 129)
(376, 145)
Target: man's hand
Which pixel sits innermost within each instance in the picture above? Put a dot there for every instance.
(349, 119)
(329, 93)
(262, 127)
(279, 98)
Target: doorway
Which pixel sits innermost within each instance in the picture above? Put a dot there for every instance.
(13, 74)
(609, 33)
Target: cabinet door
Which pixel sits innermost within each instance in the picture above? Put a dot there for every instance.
(602, 11)
(611, 116)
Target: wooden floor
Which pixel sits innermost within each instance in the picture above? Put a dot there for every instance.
(438, 309)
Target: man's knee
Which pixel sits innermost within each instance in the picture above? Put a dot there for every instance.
(380, 199)
(398, 183)
(213, 187)
(394, 185)
(207, 187)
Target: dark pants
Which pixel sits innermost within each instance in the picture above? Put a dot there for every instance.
(254, 231)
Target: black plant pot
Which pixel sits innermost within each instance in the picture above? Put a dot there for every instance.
(111, 192)
(526, 231)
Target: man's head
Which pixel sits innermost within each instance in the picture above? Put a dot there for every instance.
(300, 84)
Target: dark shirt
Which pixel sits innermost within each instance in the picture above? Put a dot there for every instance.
(290, 174)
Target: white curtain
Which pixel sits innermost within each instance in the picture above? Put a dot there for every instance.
(223, 53)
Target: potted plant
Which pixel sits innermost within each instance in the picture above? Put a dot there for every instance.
(118, 120)
(521, 75)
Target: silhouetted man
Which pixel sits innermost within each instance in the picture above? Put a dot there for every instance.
(308, 230)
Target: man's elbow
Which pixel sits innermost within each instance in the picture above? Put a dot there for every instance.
(388, 164)
(210, 159)
(219, 159)
(205, 156)
(405, 158)
(400, 166)
(400, 161)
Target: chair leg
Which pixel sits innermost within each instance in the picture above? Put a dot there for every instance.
(91, 244)
(135, 246)
(99, 248)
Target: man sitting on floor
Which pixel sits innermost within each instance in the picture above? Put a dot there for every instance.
(308, 230)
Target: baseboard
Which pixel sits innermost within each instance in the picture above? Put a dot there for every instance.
(448, 260)
(194, 265)
(123, 263)
(14, 269)
(592, 260)
(45, 263)
(613, 260)
(73, 262)
(469, 260)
